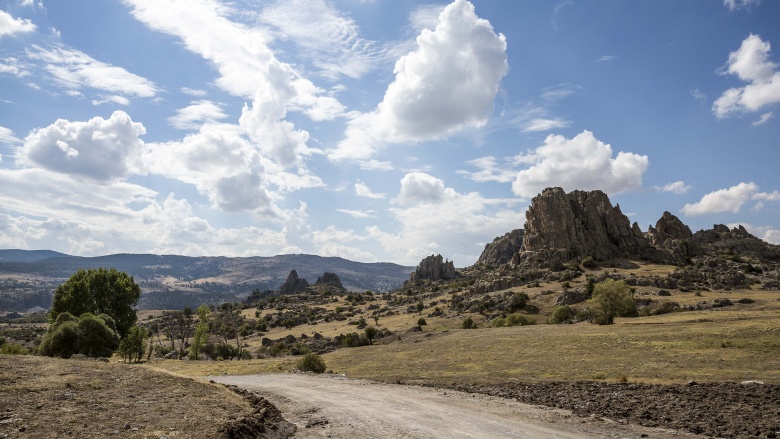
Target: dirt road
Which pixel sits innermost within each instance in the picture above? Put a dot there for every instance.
(332, 406)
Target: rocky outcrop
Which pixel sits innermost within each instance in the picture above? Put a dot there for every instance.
(560, 227)
(502, 249)
(673, 238)
(293, 284)
(329, 280)
(738, 240)
(434, 268)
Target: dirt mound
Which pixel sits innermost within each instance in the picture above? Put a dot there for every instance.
(48, 397)
(727, 410)
(265, 422)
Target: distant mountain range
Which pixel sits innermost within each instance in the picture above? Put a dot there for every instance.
(28, 278)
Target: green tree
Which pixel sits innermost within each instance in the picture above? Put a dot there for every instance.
(99, 291)
(611, 299)
(132, 347)
(468, 323)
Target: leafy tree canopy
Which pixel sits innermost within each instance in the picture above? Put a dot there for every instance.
(99, 291)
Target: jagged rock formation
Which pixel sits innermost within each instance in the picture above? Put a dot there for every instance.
(502, 249)
(434, 268)
(560, 227)
(329, 280)
(293, 284)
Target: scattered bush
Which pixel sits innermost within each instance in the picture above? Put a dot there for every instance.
(468, 323)
(562, 314)
(421, 322)
(311, 362)
(519, 301)
(498, 322)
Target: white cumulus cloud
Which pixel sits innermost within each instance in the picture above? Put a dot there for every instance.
(723, 200)
(583, 162)
(751, 64)
(102, 149)
(448, 83)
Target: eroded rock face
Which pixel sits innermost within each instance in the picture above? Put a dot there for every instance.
(330, 280)
(566, 226)
(502, 249)
(434, 267)
(293, 284)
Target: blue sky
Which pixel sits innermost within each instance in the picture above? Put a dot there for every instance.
(376, 130)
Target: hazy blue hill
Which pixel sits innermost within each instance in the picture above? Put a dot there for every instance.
(28, 278)
(15, 255)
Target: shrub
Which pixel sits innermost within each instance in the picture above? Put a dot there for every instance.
(278, 349)
(611, 299)
(13, 349)
(311, 362)
(519, 301)
(468, 323)
(421, 321)
(519, 320)
(498, 322)
(561, 314)
(588, 262)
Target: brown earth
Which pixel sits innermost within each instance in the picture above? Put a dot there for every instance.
(723, 410)
(48, 397)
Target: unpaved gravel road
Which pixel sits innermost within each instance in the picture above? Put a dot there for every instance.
(332, 406)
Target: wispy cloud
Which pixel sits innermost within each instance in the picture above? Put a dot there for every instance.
(604, 58)
(73, 69)
(358, 213)
(763, 119)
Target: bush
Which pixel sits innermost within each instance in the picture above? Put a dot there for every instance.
(519, 320)
(611, 299)
(468, 323)
(88, 335)
(498, 322)
(278, 349)
(519, 301)
(588, 262)
(562, 314)
(13, 349)
(311, 362)
(421, 321)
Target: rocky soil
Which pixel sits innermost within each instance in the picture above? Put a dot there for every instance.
(723, 410)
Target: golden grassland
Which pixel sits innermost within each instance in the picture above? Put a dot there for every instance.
(736, 343)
